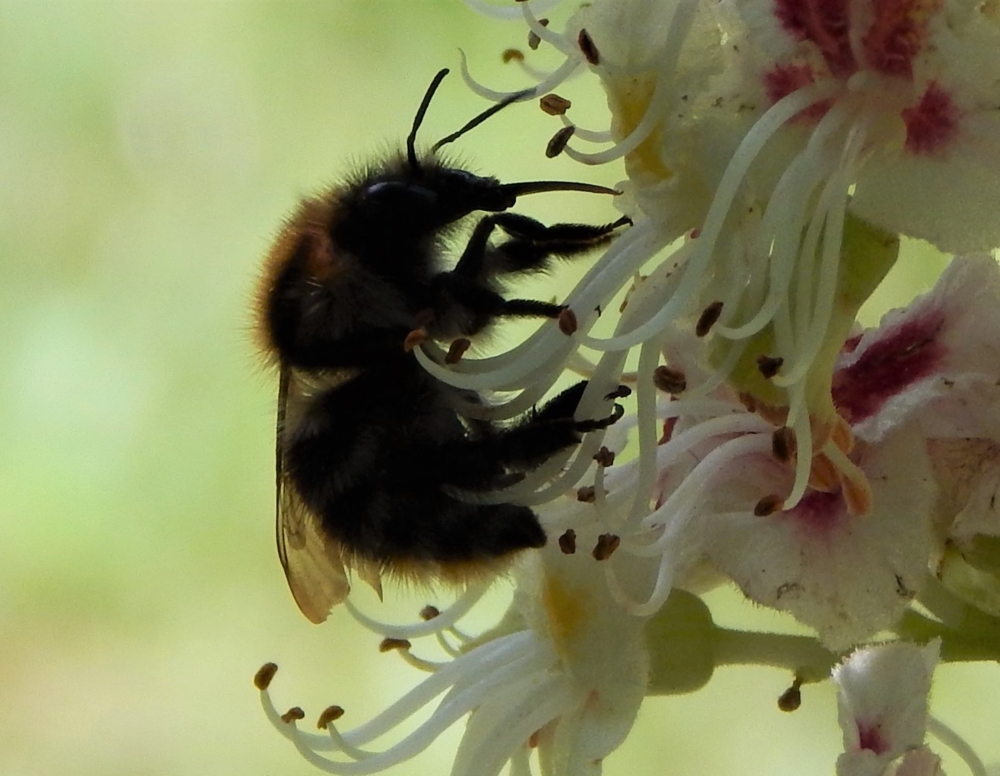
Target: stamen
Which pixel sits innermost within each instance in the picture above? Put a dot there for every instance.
(554, 105)
(590, 135)
(567, 542)
(559, 75)
(707, 319)
(791, 698)
(389, 644)
(540, 29)
(783, 444)
(696, 268)
(604, 457)
(330, 714)
(666, 59)
(769, 366)
(262, 679)
(768, 505)
(508, 13)
(457, 349)
(567, 318)
(661, 589)
(446, 645)
(854, 483)
(294, 714)
(533, 39)
(503, 725)
(447, 618)
(957, 744)
(557, 144)
(587, 47)
(669, 380)
(606, 546)
(421, 664)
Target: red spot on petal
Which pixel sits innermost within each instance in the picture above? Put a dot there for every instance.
(851, 344)
(782, 80)
(932, 123)
(870, 738)
(890, 365)
(897, 35)
(823, 22)
(819, 511)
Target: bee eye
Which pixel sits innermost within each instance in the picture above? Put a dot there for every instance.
(399, 194)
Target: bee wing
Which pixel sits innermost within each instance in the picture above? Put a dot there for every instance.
(313, 563)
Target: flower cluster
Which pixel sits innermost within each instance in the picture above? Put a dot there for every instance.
(776, 152)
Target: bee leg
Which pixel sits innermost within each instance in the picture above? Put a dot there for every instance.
(481, 303)
(532, 243)
(564, 405)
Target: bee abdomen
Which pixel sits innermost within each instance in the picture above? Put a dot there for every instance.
(427, 527)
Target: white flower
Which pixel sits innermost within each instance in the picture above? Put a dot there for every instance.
(882, 694)
(564, 673)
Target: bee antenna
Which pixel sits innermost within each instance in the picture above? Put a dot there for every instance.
(516, 97)
(411, 154)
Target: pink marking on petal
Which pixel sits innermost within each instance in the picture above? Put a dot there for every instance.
(782, 80)
(932, 123)
(897, 35)
(823, 22)
(891, 364)
(851, 344)
(871, 738)
(818, 511)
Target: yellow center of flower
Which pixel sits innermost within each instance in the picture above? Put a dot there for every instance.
(566, 608)
(630, 100)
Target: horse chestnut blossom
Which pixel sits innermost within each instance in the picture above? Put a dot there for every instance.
(776, 154)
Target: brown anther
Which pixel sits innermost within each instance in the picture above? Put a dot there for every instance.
(783, 444)
(621, 392)
(533, 739)
(554, 105)
(586, 44)
(533, 39)
(606, 546)
(587, 494)
(262, 679)
(567, 321)
(791, 698)
(769, 366)
(769, 505)
(567, 542)
(457, 350)
(414, 338)
(512, 55)
(707, 319)
(330, 714)
(389, 644)
(669, 380)
(604, 457)
(557, 144)
(294, 714)
(429, 613)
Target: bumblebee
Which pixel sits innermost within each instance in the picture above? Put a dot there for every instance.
(371, 449)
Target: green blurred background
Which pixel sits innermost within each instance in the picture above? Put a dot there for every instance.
(148, 153)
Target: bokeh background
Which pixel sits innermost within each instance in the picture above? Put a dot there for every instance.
(148, 151)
